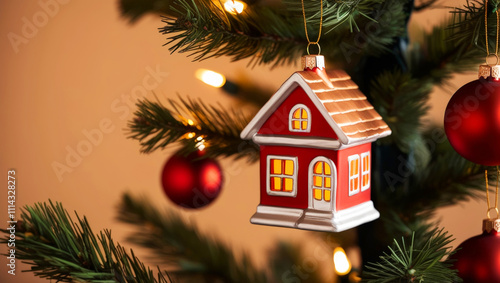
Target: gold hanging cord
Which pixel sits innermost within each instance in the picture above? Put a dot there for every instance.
(309, 42)
(490, 208)
(486, 34)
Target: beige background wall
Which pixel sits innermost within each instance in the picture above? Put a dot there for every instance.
(81, 67)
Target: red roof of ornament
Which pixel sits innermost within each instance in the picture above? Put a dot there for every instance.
(342, 104)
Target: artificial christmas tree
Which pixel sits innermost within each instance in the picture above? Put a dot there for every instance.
(368, 39)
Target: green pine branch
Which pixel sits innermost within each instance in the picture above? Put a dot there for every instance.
(367, 33)
(455, 46)
(206, 30)
(414, 262)
(335, 13)
(270, 33)
(448, 178)
(436, 55)
(192, 255)
(469, 24)
(58, 248)
(445, 179)
(192, 123)
(276, 36)
(400, 225)
(401, 100)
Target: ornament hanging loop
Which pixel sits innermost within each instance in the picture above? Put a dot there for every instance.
(319, 48)
(496, 210)
(490, 208)
(494, 57)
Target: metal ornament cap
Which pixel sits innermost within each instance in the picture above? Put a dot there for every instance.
(495, 72)
(484, 71)
(491, 224)
(313, 61)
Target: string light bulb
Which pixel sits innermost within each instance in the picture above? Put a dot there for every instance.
(341, 262)
(200, 143)
(210, 77)
(234, 6)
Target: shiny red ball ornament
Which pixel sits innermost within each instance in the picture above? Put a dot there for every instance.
(192, 181)
(478, 258)
(472, 121)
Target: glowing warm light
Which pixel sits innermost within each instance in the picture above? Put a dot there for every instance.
(190, 122)
(234, 7)
(200, 146)
(190, 135)
(340, 261)
(200, 143)
(210, 77)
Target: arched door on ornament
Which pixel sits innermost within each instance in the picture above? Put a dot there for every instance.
(322, 184)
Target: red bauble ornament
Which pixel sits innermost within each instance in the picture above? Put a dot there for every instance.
(192, 181)
(472, 121)
(478, 258)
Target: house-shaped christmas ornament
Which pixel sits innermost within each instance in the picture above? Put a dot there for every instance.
(315, 136)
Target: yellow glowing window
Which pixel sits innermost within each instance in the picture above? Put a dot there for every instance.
(300, 119)
(289, 167)
(276, 166)
(296, 125)
(328, 182)
(327, 195)
(365, 170)
(288, 184)
(318, 168)
(275, 184)
(353, 174)
(282, 174)
(318, 181)
(322, 181)
(317, 194)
